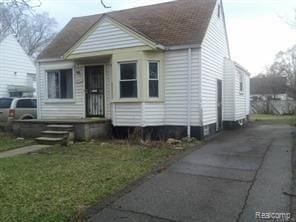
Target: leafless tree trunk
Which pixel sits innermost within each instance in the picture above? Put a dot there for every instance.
(285, 66)
(33, 30)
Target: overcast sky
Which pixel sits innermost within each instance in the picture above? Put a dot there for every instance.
(257, 29)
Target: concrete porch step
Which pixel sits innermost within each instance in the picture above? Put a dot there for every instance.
(50, 140)
(60, 127)
(54, 132)
(57, 134)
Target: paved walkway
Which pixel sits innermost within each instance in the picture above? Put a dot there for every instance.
(23, 150)
(229, 179)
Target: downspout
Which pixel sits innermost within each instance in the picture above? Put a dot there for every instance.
(200, 93)
(189, 80)
(39, 115)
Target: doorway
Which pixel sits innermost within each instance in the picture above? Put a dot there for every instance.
(219, 104)
(94, 91)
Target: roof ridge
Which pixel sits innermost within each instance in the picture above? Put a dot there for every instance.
(172, 23)
(126, 9)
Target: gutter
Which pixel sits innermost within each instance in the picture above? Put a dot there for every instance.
(50, 60)
(177, 47)
(189, 80)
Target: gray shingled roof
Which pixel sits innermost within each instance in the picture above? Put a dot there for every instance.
(181, 22)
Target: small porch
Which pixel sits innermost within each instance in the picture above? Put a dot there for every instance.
(83, 129)
(96, 75)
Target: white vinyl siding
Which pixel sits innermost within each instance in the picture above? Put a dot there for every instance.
(174, 110)
(72, 108)
(107, 36)
(60, 109)
(236, 103)
(153, 114)
(15, 64)
(138, 114)
(247, 96)
(108, 91)
(214, 50)
(176, 87)
(127, 114)
(229, 91)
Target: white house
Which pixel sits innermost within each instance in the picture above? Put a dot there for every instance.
(165, 68)
(236, 94)
(17, 70)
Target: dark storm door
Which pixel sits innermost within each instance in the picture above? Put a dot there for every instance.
(94, 91)
(219, 104)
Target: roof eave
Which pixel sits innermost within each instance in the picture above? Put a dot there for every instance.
(178, 47)
(50, 60)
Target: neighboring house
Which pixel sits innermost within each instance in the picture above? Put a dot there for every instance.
(162, 67)
(17, 70)
(264, 88)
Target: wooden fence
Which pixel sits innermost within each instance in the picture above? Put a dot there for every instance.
(277, 107)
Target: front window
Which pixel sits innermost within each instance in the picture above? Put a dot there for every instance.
(60, 84)
(128, 80)
(153, 79)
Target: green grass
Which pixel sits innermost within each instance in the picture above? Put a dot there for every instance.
(276, 119)
(58, 183)
(8, 142)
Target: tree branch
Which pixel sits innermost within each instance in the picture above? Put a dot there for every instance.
(104, 5)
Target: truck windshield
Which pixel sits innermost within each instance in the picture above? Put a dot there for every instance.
(5, 103)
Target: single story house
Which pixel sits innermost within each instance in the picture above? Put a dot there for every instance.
(164, 68)
(17, 69)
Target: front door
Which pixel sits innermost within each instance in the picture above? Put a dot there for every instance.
(219, 104)
(94, 91)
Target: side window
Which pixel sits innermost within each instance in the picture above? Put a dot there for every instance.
(153, 79)
(219, 11)
(26, 103)
(241, 82)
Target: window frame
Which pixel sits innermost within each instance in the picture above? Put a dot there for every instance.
(128, 80)
(241, 83)
(60, 100)
(33, 76)
(149, 79)
(219, 11)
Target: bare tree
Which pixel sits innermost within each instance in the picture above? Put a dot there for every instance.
(104, 5)
(285, 66)
(33, 30)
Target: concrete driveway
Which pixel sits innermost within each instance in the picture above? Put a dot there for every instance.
(229, 179)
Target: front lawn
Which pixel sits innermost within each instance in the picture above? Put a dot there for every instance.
(59, 183)
(8, 142)
(277, 119)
